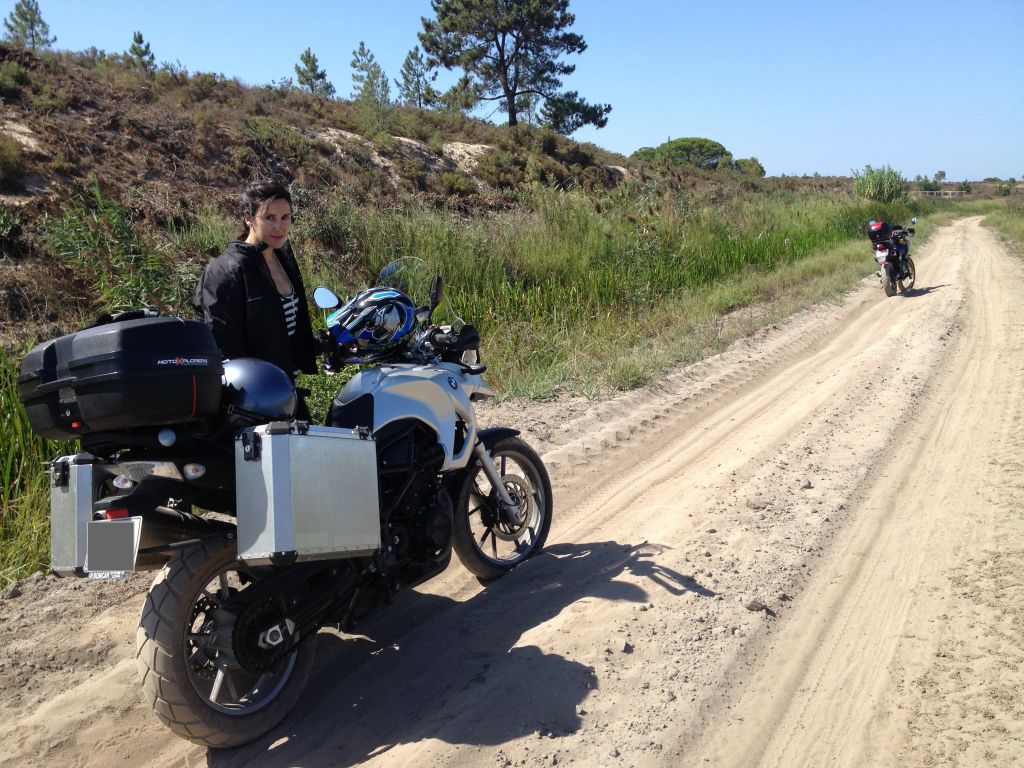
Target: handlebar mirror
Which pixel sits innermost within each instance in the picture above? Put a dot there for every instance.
(436, 292)
(913, 220)
(325, 298)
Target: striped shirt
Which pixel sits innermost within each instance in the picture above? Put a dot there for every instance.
(290, 305)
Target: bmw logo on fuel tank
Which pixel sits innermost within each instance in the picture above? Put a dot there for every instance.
(453, 383)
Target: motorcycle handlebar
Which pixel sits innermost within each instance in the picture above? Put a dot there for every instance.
(439, 338)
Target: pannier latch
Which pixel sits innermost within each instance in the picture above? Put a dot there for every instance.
(250, 446)
(60, 473)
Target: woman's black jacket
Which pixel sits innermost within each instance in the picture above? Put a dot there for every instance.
(238, 299)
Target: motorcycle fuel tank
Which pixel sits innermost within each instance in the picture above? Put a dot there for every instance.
(439, 395)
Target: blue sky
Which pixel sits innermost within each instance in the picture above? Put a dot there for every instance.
(825, 86)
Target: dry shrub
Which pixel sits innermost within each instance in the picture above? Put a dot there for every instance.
(12, 164)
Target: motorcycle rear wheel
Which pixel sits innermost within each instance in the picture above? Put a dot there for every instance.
(186, 648)
(486, 543)
(908, 283)
(889, 280)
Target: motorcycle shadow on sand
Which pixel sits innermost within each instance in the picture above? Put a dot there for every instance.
(913, 293)
(429, 667)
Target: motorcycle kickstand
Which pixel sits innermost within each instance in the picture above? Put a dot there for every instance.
(349, 620)
(512, 511)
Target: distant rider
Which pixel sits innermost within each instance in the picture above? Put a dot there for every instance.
(879, 231)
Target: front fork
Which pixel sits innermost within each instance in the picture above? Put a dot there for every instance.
(512, 512)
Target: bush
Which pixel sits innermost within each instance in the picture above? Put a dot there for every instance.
(97, 237)
(457, 183)
(436, 143)
(10, 222)
(750, 166)
(50, 99)
(12, 77)
(242, 159)
(281, 138)
(201, 87)
(60, 163)
(882, 184)
(545, 170)
(12, 164)
(501, 169)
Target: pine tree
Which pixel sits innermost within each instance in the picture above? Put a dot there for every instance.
(140, 56)
(26, 28)
(415, 89)
(461, 97)
(311, 77)
(510, 50)
(363, 66)
(371, 91)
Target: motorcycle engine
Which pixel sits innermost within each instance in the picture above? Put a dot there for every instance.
(417, 524)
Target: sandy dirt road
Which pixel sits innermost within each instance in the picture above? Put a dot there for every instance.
(805, 551)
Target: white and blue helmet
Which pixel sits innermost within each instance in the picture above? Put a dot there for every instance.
(375, 320)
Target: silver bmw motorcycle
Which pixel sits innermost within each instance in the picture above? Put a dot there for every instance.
(266, 529)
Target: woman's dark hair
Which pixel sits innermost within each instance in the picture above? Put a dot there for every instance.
(257, 195)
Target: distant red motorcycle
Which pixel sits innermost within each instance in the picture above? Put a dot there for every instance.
(890, 245)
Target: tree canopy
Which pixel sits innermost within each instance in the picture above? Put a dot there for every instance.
(311, 77)
(26, 28)
(509, 49)
(703, 153)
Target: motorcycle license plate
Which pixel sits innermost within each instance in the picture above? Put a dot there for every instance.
(881, 256)
(113, 546)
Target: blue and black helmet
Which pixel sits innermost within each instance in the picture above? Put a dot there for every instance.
(375, 320)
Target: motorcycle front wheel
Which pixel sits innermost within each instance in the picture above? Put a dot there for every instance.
(484, 539)
(908, 283)
(206, 655)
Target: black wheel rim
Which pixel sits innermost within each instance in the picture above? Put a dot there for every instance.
(211, 662)
(906, 285)
(494, 537)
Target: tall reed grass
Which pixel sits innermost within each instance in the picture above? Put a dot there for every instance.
(24, 488)
(571, 293)
(98, 237)
(1008, 220)
(566, 282)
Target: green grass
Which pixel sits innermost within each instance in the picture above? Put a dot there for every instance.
(1008, 220)
(24, 490)
(572, 293)
(99, 239)
(589, 294)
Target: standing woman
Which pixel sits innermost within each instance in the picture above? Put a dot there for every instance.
(252, 295)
